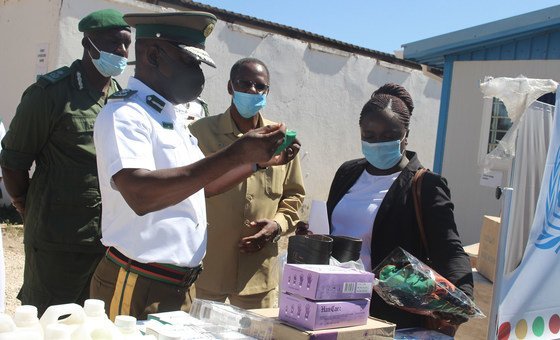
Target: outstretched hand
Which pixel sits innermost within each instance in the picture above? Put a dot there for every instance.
(268, 230)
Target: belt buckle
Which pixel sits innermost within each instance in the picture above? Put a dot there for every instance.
(191, 276)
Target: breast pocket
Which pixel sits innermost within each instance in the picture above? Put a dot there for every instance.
(75, 133)
(275, 178)
(167, 149)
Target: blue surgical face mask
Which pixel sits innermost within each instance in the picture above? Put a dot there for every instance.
(383, 155)
(248, 104)
(108, 64)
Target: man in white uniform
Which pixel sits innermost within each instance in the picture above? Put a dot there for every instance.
(154, 178)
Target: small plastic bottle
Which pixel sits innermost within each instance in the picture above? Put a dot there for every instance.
(127, 326)
(7, 325)
(26, 320)
(96, 324)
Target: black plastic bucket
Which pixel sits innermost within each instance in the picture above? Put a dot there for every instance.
(346, 248)
(309, 249)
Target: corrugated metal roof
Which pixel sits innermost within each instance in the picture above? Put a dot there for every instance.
(432, 51)
(289, 31)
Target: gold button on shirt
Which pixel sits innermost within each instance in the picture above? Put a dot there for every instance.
(276, 193)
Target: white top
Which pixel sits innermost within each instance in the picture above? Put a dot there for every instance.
(129, 133)
(2, 267)
(355, 213)
(2, 134)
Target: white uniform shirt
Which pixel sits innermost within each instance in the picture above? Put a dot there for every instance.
(194, 110)
(129, 133)
(355, 213)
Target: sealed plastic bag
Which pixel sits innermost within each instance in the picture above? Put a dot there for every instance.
(420, 333)
(403, 281)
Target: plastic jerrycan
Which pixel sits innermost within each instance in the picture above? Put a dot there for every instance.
(76, 318)
(7, 325)
(97, 325)
(27, 322)
(8, 330)
(58, 331)
(127, 327)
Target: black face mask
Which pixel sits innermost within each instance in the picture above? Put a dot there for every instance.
(186, 82)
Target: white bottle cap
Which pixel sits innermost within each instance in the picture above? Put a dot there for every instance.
(6, 323)
(125, 323)
(25, 316)
(94, 307)
(57, 331)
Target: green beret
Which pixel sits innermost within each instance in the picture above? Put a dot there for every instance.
(188, 30)
(101, 20)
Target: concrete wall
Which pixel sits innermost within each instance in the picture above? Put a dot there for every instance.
(315, 90)
(460, 163)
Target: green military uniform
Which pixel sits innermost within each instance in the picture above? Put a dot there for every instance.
(53, 127)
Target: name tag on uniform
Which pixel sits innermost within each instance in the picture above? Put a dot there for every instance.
(167, 125)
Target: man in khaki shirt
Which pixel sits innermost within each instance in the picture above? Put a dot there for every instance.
(241, 258)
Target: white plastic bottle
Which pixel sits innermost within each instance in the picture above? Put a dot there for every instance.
(97, 325)
(127, 326)
(26, 321)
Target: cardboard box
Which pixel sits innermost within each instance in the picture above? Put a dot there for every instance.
(313, 315)
(324, 282)
(488, 247)
(472, 251)
(374, 329)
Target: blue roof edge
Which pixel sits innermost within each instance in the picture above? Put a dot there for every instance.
(469, 38)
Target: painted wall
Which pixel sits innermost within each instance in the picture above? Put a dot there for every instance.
(460, 163)
(315, 90)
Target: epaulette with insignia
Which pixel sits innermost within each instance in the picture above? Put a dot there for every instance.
(54, 76)
(122, 94)
(155, 103)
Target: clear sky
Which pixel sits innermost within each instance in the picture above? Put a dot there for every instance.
(381, 25)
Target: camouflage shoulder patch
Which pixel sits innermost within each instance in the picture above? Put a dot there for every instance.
(122, 94)
(54, 76)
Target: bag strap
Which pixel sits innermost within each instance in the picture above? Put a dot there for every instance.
(417, 198)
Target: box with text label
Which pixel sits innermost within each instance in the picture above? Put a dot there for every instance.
(325, 282)
(374, 329)
(313, 315)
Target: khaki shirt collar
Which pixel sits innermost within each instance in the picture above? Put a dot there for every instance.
(226, 124)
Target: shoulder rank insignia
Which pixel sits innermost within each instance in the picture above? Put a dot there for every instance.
(122, 94)
(155, 103)
(56, 75)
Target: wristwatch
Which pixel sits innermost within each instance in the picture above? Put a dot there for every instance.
(278, 233)
(257, 167)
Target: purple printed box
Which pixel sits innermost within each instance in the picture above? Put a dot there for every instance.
(324, 282)
(314, 315)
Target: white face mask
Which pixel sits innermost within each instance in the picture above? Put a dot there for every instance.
(108, 64)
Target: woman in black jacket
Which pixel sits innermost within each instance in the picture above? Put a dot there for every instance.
(371, 198)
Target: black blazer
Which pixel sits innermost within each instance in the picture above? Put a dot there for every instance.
(395, 225)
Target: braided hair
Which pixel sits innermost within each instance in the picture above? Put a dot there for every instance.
(390, 96)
